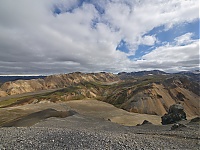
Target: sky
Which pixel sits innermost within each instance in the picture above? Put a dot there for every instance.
(62, 36)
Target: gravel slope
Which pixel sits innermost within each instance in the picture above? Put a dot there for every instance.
(82, 132)
(59, 138)
(92, 130)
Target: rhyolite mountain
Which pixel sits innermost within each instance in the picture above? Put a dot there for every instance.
(55, 81)
(146, 92)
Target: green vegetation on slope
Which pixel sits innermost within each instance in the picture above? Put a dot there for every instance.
(135, 94)
(115, 94)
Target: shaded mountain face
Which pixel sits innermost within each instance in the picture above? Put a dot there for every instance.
(146, 94)
(126, 75)
(194, 76)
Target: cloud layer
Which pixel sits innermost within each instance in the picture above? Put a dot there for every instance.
(59, 36)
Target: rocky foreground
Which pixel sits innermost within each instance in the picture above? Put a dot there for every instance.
(91, 125)
(59, 133)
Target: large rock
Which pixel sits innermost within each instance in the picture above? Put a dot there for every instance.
(176, 108)
(175, 114)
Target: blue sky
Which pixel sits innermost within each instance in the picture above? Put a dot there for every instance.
(165, 37)
(60, 36)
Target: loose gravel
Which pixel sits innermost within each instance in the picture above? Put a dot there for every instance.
(31, 138)
(79, 132)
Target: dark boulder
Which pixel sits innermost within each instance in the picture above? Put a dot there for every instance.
(175, 113)
(176, 108)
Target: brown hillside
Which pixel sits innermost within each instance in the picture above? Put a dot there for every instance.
(55, 81)
(146, 95)
(154, 95)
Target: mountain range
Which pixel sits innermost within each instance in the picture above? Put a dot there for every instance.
(145, 92)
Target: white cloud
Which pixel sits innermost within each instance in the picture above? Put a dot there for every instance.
(35, 40)
(136, 18)
(174, 53)
(173, 58)
(148, 40)
(184, 39)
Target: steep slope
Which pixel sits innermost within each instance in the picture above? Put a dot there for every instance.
(55, 81)
(154, 95)
(63, 80)
(149, 94)
(23, 86)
